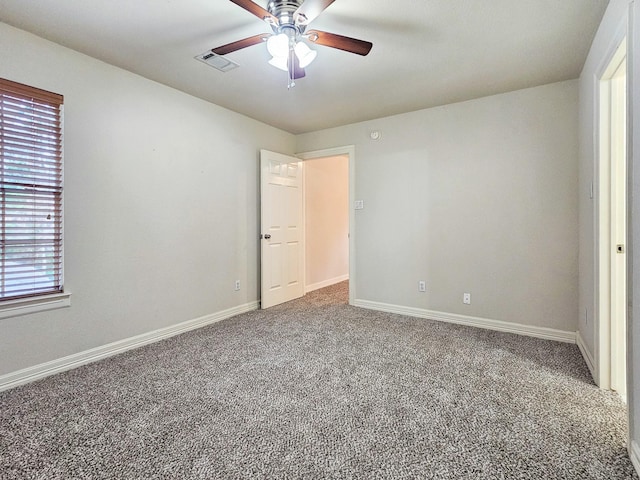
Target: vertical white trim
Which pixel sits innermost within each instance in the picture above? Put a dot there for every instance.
(632, 56)
(350, 151)
(603, 237)
(634, 455)
(304, 227)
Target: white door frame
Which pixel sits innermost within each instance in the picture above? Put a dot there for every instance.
(603, 245)
(350, 152)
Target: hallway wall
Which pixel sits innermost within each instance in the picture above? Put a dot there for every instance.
(326, 192)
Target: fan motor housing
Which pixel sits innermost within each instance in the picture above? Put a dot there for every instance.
(283, 10)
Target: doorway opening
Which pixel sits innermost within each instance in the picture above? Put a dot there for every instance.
(612, 224)
(329, 193)
(282, 222)
(326, 221)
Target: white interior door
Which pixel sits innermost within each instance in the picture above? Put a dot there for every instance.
(618, 229)
(282, 259)
(612, 230)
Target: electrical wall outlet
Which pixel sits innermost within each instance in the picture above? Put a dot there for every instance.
(466, 299)
(237, 285)
(422, 286)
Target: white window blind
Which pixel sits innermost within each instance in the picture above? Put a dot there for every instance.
(30, 191)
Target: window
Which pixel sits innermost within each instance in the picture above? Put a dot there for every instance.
(30, 191)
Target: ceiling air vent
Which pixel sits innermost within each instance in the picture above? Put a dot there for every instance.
(216, 61)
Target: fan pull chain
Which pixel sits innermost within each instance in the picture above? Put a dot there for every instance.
(290, 70)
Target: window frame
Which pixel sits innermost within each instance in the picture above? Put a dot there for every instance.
(56, 297)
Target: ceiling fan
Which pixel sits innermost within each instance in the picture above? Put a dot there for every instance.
(288, 20)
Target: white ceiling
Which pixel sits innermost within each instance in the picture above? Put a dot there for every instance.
(425, 52)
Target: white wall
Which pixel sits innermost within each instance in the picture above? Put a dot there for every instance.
(326, 193)
(161, 206)
(476, 197)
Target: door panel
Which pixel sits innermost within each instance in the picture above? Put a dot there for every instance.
(618, 144)
(281, 224)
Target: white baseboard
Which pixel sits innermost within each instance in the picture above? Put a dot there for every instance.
(586, 354)
(634, 455)
(43, 370)
(325, 283)
(498, 325)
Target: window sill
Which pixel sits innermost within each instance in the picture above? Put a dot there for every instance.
(24, 306)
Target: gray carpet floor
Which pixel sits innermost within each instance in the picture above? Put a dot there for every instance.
(317, 389)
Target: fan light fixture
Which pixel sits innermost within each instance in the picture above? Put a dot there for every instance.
(280, 62)
(305, 54)
(278, 47)
(288, 20)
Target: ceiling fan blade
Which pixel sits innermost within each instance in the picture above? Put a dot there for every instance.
(309, 10)
(297, 71)
(244, 43)
(294, 67)
(257, 10)
(340, 42)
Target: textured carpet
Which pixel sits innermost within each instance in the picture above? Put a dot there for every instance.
(318, 389)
